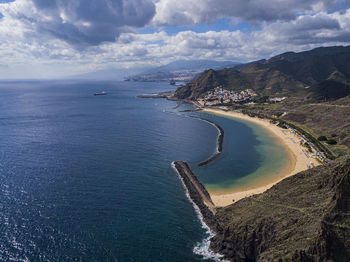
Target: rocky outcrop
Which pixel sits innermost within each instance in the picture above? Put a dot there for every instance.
(303, 218)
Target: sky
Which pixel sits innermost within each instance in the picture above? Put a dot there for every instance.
(61, 38)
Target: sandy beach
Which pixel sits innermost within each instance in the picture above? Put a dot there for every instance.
(299, 159)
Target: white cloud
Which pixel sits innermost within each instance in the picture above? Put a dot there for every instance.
(184, 12)
(81, 22)
(27, 49)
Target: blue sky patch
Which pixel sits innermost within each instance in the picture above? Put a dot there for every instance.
(220, 25)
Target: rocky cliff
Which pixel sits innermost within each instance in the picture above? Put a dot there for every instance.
(303, 218)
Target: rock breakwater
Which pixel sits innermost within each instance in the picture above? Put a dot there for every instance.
(198, 194)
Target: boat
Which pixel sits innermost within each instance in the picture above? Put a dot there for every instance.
(100, 93)
(172, 82)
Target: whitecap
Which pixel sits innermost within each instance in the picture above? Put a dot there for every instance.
(202, 248)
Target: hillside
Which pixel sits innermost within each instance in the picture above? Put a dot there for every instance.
(330, 118)
(313, 66)
(210, 79)
(288, 74)
(328, 90)
(303, 218)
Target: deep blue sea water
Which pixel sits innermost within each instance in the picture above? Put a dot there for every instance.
(89, 178)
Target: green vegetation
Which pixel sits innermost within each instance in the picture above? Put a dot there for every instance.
(305, 144)
(313, 140)
(328, 90)
(328, 141)
(262, 99)
(331, 142)
(322, 138)
(282, 125)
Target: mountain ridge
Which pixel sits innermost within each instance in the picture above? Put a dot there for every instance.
(285, 74)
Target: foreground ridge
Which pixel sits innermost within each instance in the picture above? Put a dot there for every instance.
(305, 217)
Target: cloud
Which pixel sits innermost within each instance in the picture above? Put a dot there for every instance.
(305, 32)
(321, 28)
(82, 23)
(184, 12)
(62, 37)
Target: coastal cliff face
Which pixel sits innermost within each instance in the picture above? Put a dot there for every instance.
(303, 218)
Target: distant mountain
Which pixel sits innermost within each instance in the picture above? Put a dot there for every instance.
(193, 65)
(181, 70)
(313, 74)
(107, 74)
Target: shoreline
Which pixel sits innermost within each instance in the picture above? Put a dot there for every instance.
(298, 159)
(204, 207)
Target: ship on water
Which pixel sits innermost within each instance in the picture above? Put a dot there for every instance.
(172, 82)
(100, 93)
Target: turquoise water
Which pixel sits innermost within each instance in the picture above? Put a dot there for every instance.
(251, 155)
(85, 178)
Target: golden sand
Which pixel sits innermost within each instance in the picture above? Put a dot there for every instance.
(298, 161)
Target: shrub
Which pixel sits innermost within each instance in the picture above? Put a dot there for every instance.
(282, 125)
(279, 114)
(331, 142)
(322, 138)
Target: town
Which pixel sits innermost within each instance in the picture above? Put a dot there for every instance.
(222, 96)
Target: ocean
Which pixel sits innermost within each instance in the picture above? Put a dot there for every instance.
(89, 178)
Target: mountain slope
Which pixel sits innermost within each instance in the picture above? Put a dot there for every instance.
(265, 81)
(303, 218)
(210, 79)
(313, 66)
(328, 90)
(286, 74)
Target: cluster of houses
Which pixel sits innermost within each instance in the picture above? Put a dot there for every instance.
(222, 96)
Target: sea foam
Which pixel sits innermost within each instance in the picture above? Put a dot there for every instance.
(201, 248)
